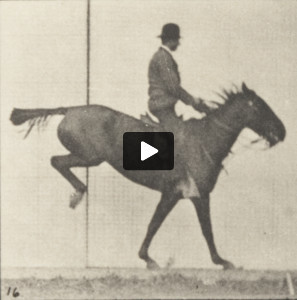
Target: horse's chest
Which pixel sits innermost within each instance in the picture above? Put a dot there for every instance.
(203, 169)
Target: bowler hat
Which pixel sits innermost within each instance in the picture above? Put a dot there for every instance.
(170, 31)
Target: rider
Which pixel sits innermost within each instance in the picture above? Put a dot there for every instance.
(165, 90)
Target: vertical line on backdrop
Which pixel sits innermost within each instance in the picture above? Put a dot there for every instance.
(88, 103)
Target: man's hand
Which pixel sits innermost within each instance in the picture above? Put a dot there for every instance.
(203, 106)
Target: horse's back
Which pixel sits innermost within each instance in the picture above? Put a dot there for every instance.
(98, 126)
(85, 116)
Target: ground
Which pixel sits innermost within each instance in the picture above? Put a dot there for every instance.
(95, 283)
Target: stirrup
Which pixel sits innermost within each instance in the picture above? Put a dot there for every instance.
(147, 119)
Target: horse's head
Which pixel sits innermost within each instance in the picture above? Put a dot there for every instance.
(260, 117)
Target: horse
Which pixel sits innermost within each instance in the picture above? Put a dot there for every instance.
(94, 134)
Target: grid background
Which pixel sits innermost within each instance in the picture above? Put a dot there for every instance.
(43, 64)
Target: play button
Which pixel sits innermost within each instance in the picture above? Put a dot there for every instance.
(147, 151)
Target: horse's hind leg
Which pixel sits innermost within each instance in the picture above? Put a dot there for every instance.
(165, 205)
(63, 164)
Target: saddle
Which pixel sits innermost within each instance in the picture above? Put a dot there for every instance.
(147, 120)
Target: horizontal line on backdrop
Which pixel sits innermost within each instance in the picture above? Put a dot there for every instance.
(41, 34)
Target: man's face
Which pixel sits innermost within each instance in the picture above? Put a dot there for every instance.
(173, 44)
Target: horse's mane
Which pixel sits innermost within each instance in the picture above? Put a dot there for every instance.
(227, 97)
(230, 95)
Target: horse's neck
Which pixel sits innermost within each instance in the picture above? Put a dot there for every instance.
(224, 126)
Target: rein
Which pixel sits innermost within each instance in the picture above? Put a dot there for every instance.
(230, 129)
(224, 126)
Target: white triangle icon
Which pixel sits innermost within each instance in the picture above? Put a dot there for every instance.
(147, 151)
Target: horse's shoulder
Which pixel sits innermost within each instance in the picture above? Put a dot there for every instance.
(195, 127)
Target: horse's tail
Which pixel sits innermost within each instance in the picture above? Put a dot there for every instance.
(34, 116)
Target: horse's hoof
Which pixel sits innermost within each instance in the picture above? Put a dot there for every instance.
(75, 199)
(228, 266)
(152, 265)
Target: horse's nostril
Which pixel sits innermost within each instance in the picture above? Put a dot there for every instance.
(273, 139)
(283, 135)
(282, 132)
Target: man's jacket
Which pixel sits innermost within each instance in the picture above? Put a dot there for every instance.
(164, 82)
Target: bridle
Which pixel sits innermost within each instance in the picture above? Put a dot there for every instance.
(251, 143)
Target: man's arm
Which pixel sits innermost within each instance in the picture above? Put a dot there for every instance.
(185, 96)
(171, 80)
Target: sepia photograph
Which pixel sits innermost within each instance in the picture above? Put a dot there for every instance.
(148, 149)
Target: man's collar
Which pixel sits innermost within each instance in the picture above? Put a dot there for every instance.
(167, 49)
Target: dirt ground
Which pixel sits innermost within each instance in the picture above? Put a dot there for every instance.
(137, 283)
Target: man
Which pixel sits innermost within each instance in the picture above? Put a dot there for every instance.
(164, 92)
(164, 80)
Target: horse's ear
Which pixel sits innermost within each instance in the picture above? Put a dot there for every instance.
(244, 88)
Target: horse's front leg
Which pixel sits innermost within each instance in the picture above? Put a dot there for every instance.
(203, 212)
(165, 205)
